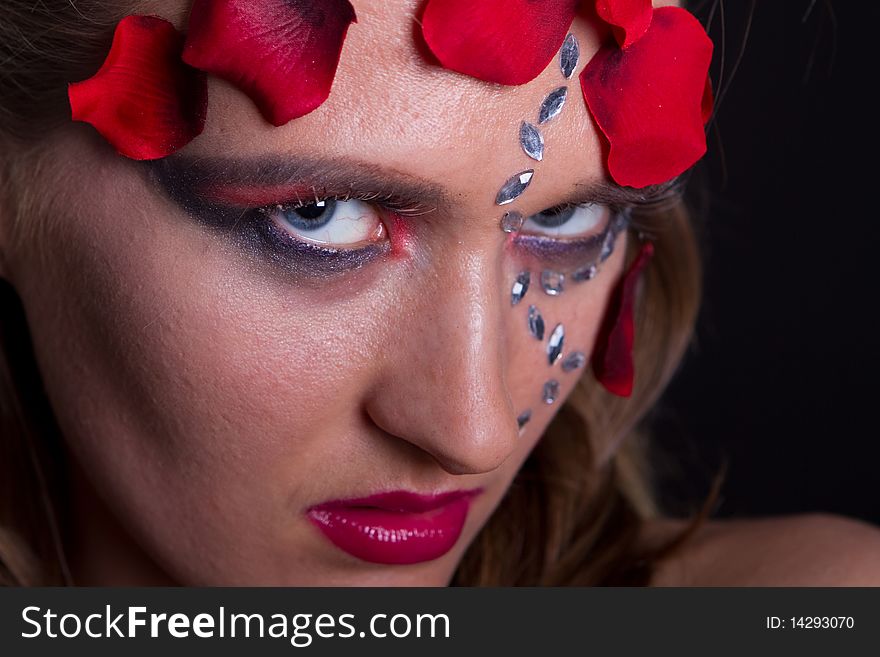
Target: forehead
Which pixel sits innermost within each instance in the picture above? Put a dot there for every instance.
(392, 105)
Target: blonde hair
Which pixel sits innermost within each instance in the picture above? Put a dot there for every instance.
(571, 516)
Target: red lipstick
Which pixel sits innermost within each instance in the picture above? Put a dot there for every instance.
(397, 527)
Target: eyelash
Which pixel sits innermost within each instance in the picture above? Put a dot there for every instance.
(389, 203)
(386, 201)
(610, 210)
(256, 230)
(283, 238)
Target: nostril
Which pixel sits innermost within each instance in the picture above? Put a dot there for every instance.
(459, 437)
(470, 467)
(480, 449)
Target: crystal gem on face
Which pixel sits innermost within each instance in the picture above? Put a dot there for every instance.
(532, 141)
(608, 246)
(551, 391)
(569, 56)
(587, 273)
(523, 420)
(514, 187)
(574, 361)
(520, 287)
(512, 221)
(552, 282)
(536, 323)
(552, 105)
(555, 344)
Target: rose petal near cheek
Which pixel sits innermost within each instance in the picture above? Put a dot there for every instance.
(612, 356)
(629, 19)
(503, 41)
(708, 104)
(282, 53)
(649, 100)
(144, 100)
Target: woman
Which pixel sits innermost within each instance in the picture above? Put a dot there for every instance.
(370, 337)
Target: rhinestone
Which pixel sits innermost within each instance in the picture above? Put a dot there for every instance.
(570, 55)
(514, 187)
(554, 345)
(523, 420)
(512, 221)
(608, 246)
(532, 141)
(551, 391)
(621, 221)
(618, 226)
(520, 287)
(574, 361)
(536, 323)
(587, 273)
(553, 282)
(553, 104)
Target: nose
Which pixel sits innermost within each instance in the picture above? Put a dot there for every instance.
(442, 384)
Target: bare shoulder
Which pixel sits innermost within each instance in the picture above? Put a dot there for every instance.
(814, 549)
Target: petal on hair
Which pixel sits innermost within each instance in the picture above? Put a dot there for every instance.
(629, 19)
(650, 100)
(708, 105)
(612, 355)
(144, 100)
(504, 41)
(282, 53)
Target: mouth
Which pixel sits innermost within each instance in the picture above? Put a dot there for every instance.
(397, 527)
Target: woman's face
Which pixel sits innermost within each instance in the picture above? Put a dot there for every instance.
(217, 373)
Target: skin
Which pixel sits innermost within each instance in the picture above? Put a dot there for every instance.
(209, 397)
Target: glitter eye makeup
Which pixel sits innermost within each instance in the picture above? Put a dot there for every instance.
(310, 240)
(324, 217)
(301, 215)
(568, 237)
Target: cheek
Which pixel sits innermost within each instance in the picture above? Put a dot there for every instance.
(186, 382)
(579, 311)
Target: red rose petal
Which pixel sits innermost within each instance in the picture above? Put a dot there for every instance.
(629, 19)
(282, 53)
(504, 41)
(708, 104)
(144, 100)
(612, 356)
(648, 100)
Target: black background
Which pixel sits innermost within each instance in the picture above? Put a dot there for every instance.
(782, 383)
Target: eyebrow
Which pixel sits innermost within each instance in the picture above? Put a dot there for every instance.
(609, 193)
(212, 177)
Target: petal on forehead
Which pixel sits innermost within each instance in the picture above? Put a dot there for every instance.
(504, 41)
(629, 19)
(144, 100)
(282, 53)
(650, 100)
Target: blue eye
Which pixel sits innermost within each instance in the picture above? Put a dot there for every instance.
(310, 217)
(330, 222)
(568, 220)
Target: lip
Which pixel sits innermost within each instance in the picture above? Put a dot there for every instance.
(397, 527)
